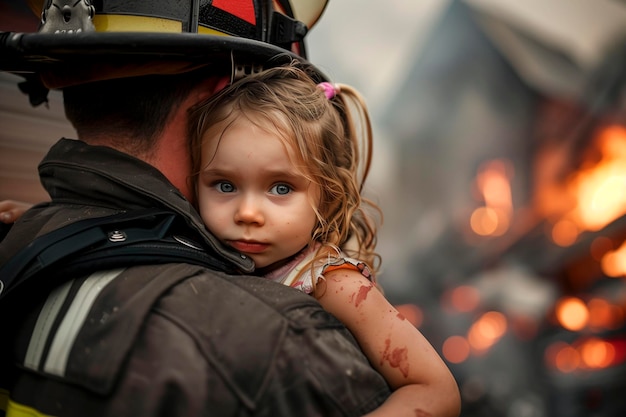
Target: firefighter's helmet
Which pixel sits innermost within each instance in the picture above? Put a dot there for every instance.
(87, 40)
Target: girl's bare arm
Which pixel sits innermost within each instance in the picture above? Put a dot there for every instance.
(422, 383)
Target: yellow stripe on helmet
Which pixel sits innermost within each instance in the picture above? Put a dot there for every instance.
(128, 23)
(208, 31)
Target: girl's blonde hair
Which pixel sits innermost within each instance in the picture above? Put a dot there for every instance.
(331, 139)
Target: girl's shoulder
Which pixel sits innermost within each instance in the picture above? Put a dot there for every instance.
(302, 277)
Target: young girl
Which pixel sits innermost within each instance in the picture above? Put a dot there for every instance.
(280, 163)
(280, 171)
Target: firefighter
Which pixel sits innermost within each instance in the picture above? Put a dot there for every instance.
(114, 299)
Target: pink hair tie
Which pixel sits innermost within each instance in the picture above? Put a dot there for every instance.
(329, 90)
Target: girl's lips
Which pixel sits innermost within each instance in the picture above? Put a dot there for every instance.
(248, 246)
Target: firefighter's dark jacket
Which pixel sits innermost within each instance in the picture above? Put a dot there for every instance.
(169, 339)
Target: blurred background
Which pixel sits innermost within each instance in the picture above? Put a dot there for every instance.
(500, 165)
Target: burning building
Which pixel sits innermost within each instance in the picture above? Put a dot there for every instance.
(514, 199)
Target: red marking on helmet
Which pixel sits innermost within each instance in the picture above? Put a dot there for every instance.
(243, 9)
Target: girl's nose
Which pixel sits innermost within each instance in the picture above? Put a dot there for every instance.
(249, 211)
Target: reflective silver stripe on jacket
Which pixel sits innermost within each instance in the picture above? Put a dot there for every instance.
(75, 316)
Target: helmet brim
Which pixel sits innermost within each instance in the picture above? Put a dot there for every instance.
(67, 59)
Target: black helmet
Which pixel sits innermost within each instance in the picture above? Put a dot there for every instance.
(82, 41)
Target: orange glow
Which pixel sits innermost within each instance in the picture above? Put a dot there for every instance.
(493, 324)
(585, 354)
(489, 221)
(493, 183)
(564, 233)
(617, 317)
(524, 326)
(590, 198)
(610, 265)
(567, 359)
(477, 341)
(600, 246)
(464, 298)
(596, 353)
(601, 196)
(487, 330)
(572, 313)
(600, 191)
(550, 198)
(484, 221)
(412, 313)
(600, 314)
(552, 352)
(456, 349)
(614, 262)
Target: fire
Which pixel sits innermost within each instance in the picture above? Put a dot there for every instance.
(596, 194)
(590, 198)
(600, 190)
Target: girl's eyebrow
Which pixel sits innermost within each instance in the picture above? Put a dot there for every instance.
(216, 171)
(271, 172)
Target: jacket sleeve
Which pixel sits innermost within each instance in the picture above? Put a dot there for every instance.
(269, 350)
(320, 371)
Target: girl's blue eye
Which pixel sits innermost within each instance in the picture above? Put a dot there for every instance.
(225, 187)
(280, 189)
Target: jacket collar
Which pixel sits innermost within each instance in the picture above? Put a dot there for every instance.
(74, 171)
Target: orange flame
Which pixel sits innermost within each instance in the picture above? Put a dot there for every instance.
(596, 194)
(601, 190)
